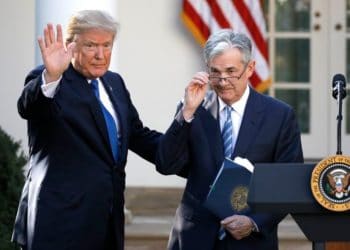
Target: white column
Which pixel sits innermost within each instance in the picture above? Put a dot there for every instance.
(59, 12)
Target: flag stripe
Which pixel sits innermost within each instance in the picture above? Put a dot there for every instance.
(254, 80)
(262, 66)
(217, 13)
(247, 18)
(235, 20)
(195, 23)
(204, 11)
(257, 13)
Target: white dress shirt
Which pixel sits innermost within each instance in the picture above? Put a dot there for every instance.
(236, 114)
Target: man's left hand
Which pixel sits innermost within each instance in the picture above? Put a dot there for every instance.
(239, 226)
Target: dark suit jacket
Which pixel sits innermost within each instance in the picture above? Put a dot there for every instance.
(268, 133)
(74, 185)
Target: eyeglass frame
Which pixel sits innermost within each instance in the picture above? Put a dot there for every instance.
(228, 78)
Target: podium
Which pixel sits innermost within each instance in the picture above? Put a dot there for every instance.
(285, 188)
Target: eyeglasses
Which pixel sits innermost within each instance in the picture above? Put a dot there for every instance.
(230, 79)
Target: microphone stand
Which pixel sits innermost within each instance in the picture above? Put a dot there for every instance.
(340, 97)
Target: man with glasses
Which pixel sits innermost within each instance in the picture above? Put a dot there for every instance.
(222, 116)
(81, 124)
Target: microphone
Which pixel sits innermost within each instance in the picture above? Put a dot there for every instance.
(338, 85)
(339, 92)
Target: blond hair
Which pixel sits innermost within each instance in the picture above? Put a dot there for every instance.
(85, 20)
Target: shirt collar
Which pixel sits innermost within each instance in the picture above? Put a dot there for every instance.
(238, 106)
(89, 80)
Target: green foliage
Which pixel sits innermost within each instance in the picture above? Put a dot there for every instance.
(11, 183)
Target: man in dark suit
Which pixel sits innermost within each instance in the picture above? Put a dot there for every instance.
(81, 123)
(261, 129)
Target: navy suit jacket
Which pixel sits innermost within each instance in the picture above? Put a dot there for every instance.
(268, 133)
(74, 186)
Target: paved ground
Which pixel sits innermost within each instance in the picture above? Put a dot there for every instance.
(151, 233)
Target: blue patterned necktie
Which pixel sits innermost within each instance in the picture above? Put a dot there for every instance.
(227, 133)
(227, 138)
(110, 123)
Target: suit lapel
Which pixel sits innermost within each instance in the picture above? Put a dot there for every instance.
(79, 84)
(211, 104)
(252, 117)
(209, 112)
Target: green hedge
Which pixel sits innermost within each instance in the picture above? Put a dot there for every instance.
(11, 183)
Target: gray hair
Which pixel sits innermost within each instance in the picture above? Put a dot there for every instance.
(225, 39)
(84, 20)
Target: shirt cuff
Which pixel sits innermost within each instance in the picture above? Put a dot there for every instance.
(189, 120)
(49, 89)
(255, 226)
(179, 117)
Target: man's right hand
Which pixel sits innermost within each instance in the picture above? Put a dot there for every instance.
(195, 93)
(56, 56)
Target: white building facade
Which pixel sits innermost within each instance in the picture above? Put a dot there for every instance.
(309, 42)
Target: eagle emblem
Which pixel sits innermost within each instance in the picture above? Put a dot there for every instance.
(338, 183)
(239, 198)
(330, 183)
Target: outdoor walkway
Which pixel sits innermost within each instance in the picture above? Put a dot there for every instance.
(151, 233)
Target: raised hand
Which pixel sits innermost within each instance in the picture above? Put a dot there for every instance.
(56, 56)
(195, 93)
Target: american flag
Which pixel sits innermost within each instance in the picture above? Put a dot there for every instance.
(202, 17)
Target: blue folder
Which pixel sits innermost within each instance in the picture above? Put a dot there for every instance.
(229, 191)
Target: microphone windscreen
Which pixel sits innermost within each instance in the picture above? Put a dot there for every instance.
(337, 78)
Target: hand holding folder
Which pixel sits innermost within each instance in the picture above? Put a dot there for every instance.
(229, 191)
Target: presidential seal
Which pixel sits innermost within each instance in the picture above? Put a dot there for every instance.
(239, 198)
(330, 181)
